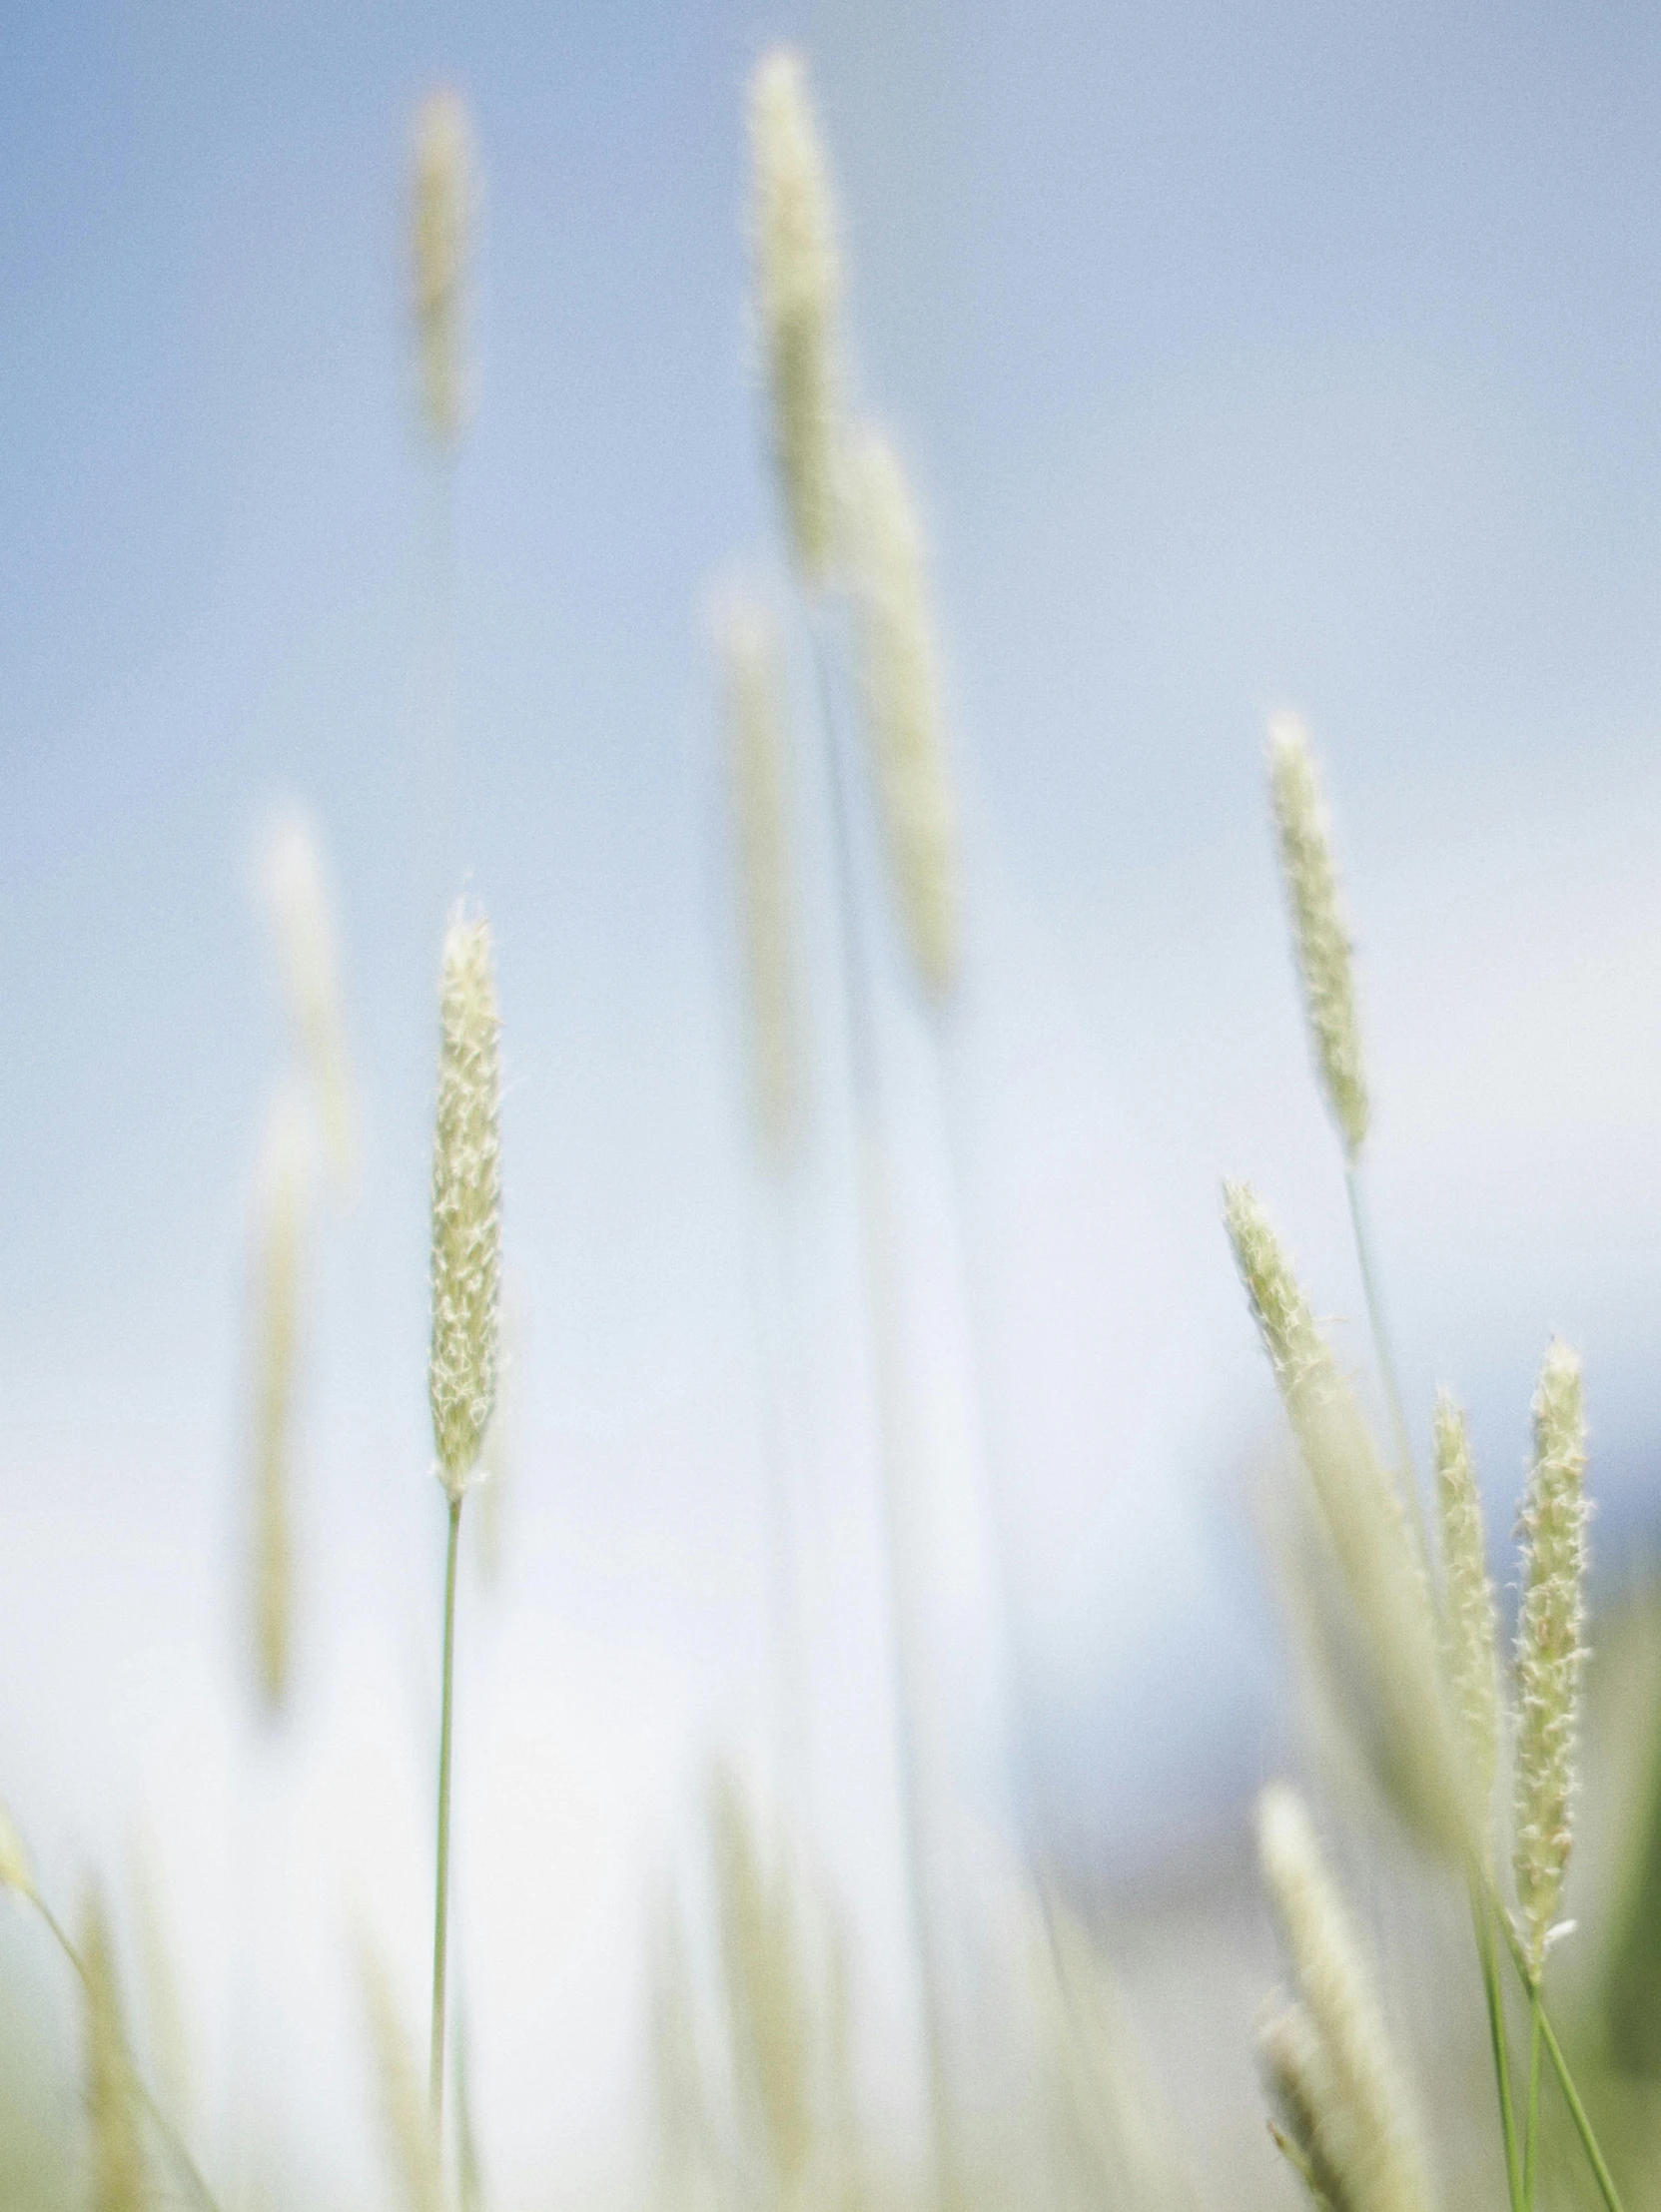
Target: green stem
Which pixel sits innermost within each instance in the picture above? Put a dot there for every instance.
(440, 1904)
(1483, 1925)
(1383, 1351)
(170, 2134)
(1560, 2067)
(1531, 2153)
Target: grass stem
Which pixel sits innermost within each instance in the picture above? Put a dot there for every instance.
(1531, 2149)
(441, 1904)
(1384, 1353)
(1559, 2065)
(1483, 1925)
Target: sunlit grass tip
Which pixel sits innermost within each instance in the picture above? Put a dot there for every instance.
(1324, 962)
(1550, 1648)
(1365, 2124)
(443, 212)
(466, 1204)
(900, 688)
(797, 285)
(758, 785)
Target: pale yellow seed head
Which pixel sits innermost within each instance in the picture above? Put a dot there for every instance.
(282, 1205)
(16, 1874)
(1470, 1628)
(444, 214)
(758, 780)
(763, 1982)
(120, 2177)
(1364, 1516)
(1319, 929)
(294, 887)
(1365, 2121)
(797, 286)
(1551, 1651)
(900, 690)
(405, 2115)
(466, 1204)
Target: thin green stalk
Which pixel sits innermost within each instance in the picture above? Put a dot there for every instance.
(1560, 2067)
(170, 2134)
(1531, 2153)
(1496, 2037)
(441, 1905)
(1384, 1353)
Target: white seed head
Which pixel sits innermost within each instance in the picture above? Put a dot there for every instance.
(1363, 2119)
(466, 1204)
(405, 2115)
(293, 886)
(899, 684)
(1362, 1511)
(282, 1203)
(120, 2177)
(798, 282)
(1323, 941)
(1551, 1651)
(1470, 1627)
(16, 1874)
(758, 782)
(444, 212)
(1299, 2084)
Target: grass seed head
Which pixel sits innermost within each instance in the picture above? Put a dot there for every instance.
(1470, 1628)
(466, 1204)
(1323, 950)
(899, 683)
(797, 287)
(1551, 1650)
(281, 1229)
(1361, 2117)
(444, 212)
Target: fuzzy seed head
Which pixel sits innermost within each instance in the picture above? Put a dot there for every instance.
(1551, 1652)
(1363, 2118)
(283, 1181)
(119, 2179)
(797, 286)
(294, 887)
(444, 211)
(466, 1204)
(1364, 1517)
(1470, 1629)
(16, 1874)
(899, 685)
(757, 783)
(1323, 941)
(1299, 2086)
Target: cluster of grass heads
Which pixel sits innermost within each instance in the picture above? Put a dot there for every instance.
(752, 2064)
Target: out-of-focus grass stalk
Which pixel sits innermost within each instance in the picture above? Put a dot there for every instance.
(467, 1290)
(407, 2119)
(294, 885)
(280, 1203)
(796, 290)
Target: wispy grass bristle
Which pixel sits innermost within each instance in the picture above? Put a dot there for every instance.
(466, 1204)
(900, 691)
(444, 212)
(797, 287)
(1550, 1648)
(1360, 2121)
(1319, 929)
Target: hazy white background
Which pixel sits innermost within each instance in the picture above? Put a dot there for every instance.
(1243, 357)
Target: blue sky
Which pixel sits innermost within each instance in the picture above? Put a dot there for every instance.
(1243, 357)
